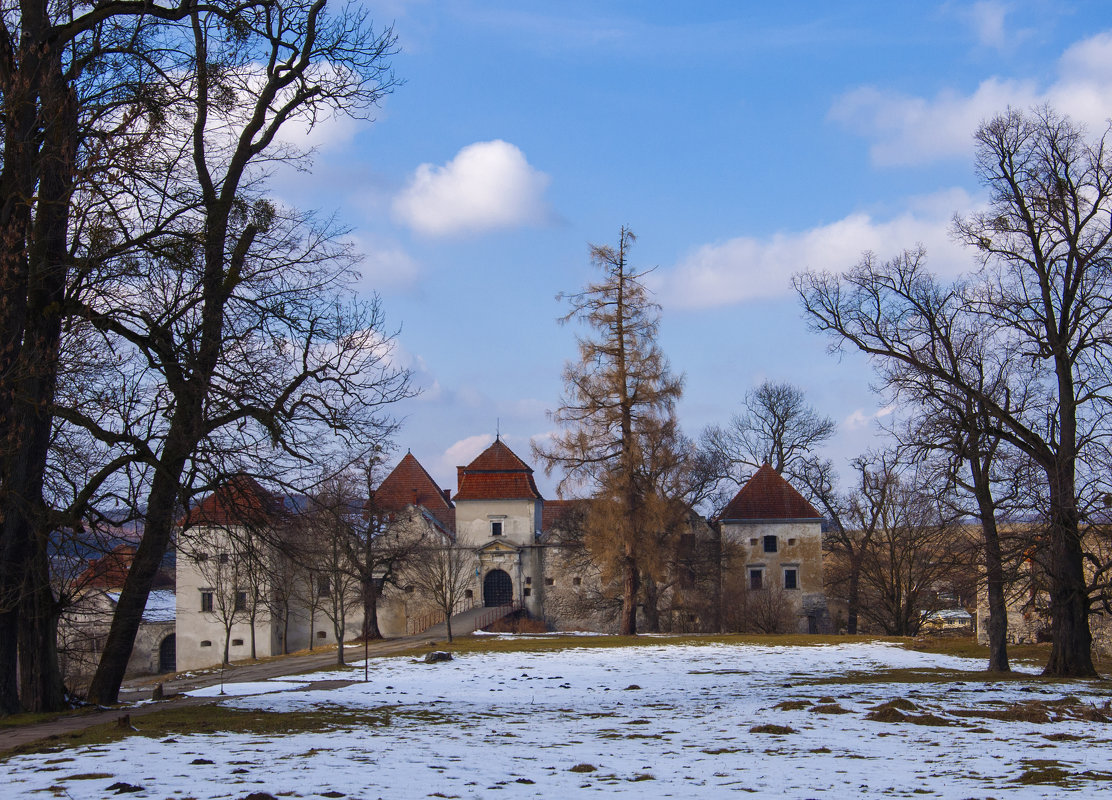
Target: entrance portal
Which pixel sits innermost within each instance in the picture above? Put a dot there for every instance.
(498, 589)
(167, 655)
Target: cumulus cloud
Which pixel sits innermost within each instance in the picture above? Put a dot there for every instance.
(751, 268)
(913, 130)
(488, 185)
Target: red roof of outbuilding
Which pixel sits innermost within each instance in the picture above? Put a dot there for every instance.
(240, 501)
(497, 474)
(768, 496)
(110, 570)
(554, 511)
(410, 484)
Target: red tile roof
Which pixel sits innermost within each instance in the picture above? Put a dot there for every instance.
(554, 511)
(240, 501)
(110, 570)
(410, 484)
(497, 474)
(768, 496)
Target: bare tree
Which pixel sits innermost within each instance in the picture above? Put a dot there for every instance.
(1044, 300)
(75, 90)
(777, 428)
(442, 573)
(617, 392)
(258, 355)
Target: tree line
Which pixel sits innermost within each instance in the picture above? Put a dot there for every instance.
(1001, 379)
(164, 322)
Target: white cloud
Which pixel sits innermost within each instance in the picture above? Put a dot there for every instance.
(385, 264)
(987, 18)
(859, 419)
(462, 453)
(751, 268)
(488, 185)
(915, 130)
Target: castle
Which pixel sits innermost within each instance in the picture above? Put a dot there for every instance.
(758, 566)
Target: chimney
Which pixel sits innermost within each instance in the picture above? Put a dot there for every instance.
(447, 495)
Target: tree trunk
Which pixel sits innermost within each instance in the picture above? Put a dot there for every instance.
(994, 574)
(40, 676)
(651, 607)
(161, 508)
(370, 611)
(227, 641)
(1071, 649)
(853, 596)
(629, 596)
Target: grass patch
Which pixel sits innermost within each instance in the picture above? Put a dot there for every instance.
(526, 644)
(778, 730)
(39, 717)
(792, 705)
(829, 708)
(583, 768)
(212, 718)
(1042, 711)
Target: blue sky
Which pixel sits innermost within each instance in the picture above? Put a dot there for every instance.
(742, 142)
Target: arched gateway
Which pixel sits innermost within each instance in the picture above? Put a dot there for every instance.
(498, 589)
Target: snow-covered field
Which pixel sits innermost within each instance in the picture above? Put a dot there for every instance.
(651, 721)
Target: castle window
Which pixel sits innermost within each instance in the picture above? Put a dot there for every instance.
(528, 592)
(241, 601)
(496, 527)
(791, 577)
(549, 581)
(322, 635)
(468, 593)
(206, 600)
(770, 544)
(237, 643)
(756, 578)
(222, 558)
(791, 542)
(206, 643)
(752, 542)
(576, 581)
(323, 588)
(528, 580)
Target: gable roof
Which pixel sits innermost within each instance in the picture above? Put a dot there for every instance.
(497, 474)
(240, 501)
(768, 496)
(408, 484)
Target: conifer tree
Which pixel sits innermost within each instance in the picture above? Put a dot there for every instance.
(619, 397)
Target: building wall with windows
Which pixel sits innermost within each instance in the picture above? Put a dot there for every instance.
(772, 543)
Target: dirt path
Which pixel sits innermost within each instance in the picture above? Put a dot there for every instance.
(136, 691)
